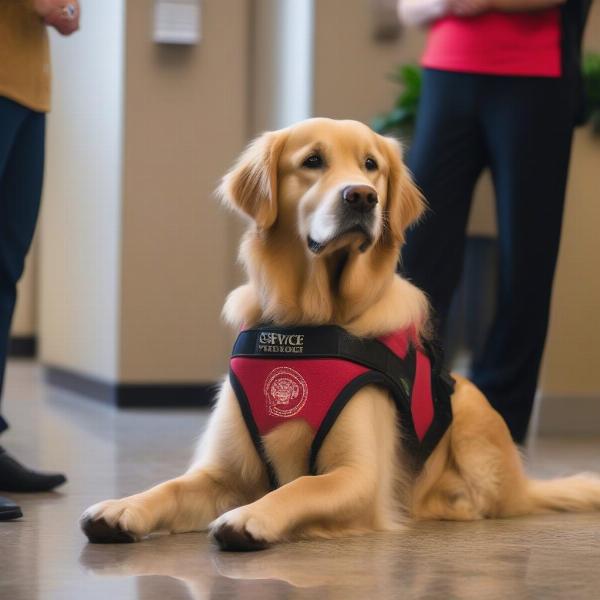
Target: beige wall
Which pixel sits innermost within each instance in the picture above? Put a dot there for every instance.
(79, 241)
(136, 254)
(186, 120)
(263, 64)
(572, 358)
(350, 68)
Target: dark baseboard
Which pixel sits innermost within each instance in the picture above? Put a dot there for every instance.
(132, 395)
(22, 346)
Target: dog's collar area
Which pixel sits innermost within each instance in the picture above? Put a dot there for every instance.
(317, 341)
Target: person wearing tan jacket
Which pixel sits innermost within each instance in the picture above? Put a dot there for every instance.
(24, 101)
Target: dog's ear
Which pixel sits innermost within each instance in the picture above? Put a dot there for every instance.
(251, 185)
(405, 203)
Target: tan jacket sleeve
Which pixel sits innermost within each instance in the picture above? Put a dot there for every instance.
(25, 72)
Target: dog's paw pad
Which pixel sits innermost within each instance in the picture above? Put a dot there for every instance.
(235, 540)
(100, 532)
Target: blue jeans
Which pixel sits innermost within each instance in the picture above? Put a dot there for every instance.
(22, 139)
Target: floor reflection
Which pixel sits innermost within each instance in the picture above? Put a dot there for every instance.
(497, 559)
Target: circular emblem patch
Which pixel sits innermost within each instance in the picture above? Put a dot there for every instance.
(285, 392)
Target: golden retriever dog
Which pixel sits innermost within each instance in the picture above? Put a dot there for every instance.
(309, 263)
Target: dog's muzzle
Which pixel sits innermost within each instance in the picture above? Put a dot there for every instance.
(356, 214)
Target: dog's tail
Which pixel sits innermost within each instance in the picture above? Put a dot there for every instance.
(578, 493)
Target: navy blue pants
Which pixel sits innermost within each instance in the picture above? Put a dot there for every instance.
(22, 136)
(521, 128)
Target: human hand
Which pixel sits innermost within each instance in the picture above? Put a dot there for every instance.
(63, 15)
(469, 8)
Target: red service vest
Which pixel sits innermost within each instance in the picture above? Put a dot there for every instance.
(310, 373)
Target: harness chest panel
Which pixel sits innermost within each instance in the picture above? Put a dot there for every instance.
(310, 373)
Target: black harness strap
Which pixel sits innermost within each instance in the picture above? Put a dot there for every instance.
(253, 429)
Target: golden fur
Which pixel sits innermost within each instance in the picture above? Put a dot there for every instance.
(363, 485)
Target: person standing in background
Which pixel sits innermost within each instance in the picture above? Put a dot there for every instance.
(24, 101)
(501, 89)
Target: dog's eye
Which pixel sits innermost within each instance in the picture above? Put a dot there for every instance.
(314, 161)
(371, 164)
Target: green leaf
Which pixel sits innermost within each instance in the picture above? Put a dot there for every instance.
(402, 117)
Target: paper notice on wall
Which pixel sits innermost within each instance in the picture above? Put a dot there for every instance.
(177, 21)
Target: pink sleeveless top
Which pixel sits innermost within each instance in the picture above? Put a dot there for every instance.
(497, 43)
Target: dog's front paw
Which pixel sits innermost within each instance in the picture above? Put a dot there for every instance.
(241, 530)
(114, 522)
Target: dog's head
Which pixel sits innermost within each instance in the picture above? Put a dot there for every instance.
(337, 182)
(335, 188)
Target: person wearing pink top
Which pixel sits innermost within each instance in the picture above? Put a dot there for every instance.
(501, 90)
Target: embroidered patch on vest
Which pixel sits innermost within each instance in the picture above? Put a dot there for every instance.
(285, 392)
(274, 342)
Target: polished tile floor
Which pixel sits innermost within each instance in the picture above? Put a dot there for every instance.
(108, 454)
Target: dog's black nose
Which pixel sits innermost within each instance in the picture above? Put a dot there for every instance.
(361, 198)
